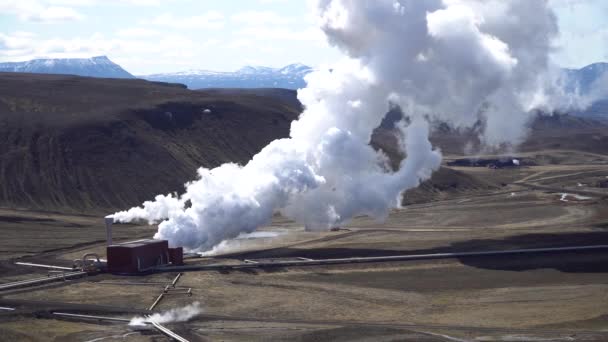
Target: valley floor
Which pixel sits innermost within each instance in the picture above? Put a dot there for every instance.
(544, 297)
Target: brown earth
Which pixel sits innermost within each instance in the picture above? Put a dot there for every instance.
(88, 145)
(548, 297)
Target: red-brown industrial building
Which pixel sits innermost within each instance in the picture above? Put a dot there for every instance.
(139, 256)
(142, 256)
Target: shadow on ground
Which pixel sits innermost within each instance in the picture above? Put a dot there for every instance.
(593, 261)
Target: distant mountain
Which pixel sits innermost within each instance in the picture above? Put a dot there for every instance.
(289, 77)
(592, 81)
(583, 79)
(100, 66)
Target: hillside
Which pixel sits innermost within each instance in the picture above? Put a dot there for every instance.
(74, 143)
(554, 132)
(71, 143)
(447, 183)
(100, 66)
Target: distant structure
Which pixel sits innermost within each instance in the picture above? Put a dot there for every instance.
(489, 163)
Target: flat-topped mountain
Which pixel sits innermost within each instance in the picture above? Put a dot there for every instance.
(100, 66)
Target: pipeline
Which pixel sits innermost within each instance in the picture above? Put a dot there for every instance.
(355, 260)
(45, 266)
(40, 281)
(98, 318)
(168, 332)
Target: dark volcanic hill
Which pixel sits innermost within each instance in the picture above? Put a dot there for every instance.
(75, 143)
(546, 132)
(70, 143)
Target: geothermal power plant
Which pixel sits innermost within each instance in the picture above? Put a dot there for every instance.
(442, 180)
(130, 263)
(140, 256)
(145, 256)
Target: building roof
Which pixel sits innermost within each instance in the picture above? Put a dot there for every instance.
(138, 243)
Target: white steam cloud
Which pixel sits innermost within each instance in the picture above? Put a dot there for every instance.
(456, 61)
(183, 314)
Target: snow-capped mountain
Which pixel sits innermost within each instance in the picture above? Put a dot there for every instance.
(290, 77)
(100, 66)
(592, 81)
(585, 79)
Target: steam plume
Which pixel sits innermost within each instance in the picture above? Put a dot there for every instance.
(183, 314)
(455, 61)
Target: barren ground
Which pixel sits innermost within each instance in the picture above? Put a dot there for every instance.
(548, 297)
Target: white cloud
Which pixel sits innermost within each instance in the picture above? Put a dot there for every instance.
(139, 2)
(208, 20)
(38, 11)
(567, 3)
(265, 2)
(54, 14)
(166, 38)
(17, 44)
(582, 37)
(260, 18)
(137, 32)
(76, 3)
(165, 48)
(82, 3)
(282, 33)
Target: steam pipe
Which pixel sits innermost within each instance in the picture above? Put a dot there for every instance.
(109, 221)
(354, 260)
(40, 281)
(45, 266)
(156, 301)
(167, 332)
(100, 318)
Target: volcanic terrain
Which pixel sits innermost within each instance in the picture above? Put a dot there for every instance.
(76, 148)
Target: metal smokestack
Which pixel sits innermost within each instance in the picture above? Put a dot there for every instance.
(109, 221)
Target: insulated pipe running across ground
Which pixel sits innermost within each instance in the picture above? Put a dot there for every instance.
(98, 318)
(109, 221)
(410, 257)
(167, 332)
(164, 330)
(40, 281)
(53, 267)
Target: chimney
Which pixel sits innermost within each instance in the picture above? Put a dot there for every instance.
(109, 221)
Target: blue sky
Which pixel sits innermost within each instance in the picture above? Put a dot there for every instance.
(151, 36)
